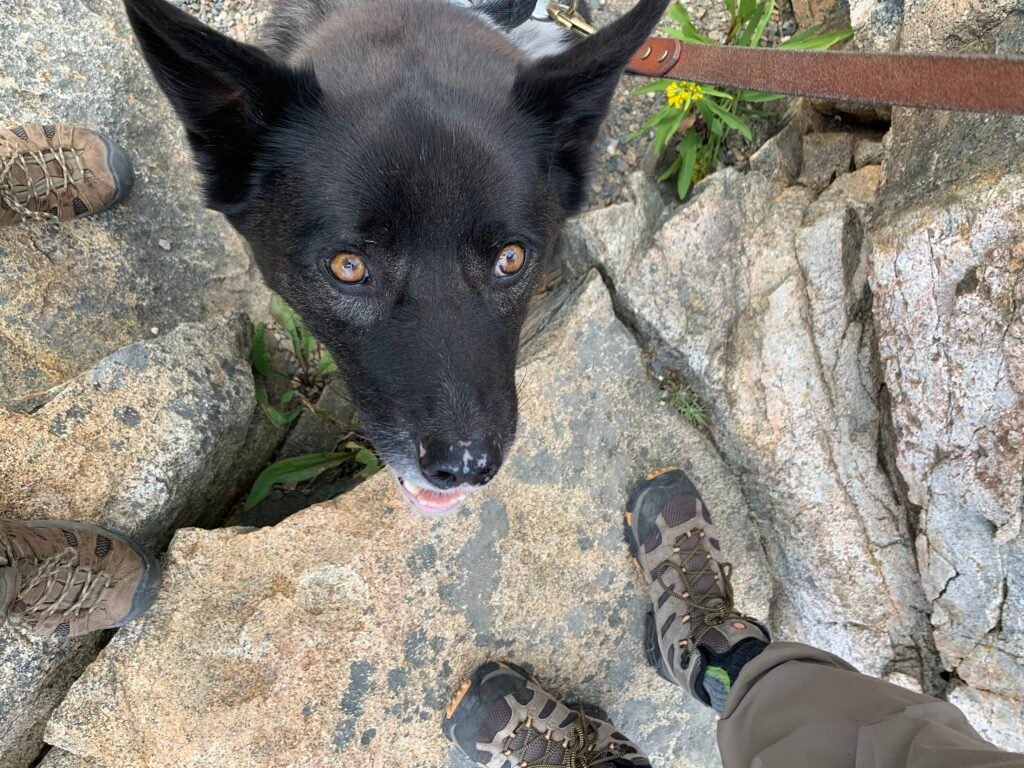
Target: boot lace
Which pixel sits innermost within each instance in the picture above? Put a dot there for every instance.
(82, 595)
(694, 564)
(13, 157)
(577, 748)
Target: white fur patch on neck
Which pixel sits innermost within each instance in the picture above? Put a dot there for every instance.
(537, 37)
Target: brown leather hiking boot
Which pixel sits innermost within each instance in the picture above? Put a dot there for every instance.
(64, 579)
(502, 718)
(59, 172)
(694, 620)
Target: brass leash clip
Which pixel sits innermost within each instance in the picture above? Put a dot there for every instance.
(569, 17)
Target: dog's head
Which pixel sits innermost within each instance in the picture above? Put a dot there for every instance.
(402, 181)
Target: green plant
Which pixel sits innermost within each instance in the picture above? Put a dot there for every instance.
(703, 115)
(682, 399)
(301, 468)
(308, 372)
(307, 367)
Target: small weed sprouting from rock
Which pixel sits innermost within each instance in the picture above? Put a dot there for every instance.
(704, 116)
(301, 368)
(682, 399)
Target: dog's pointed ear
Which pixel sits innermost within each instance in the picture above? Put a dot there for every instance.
(226, 93)
(572, 91)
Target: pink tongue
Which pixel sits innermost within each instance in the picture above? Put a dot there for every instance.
(428, 496)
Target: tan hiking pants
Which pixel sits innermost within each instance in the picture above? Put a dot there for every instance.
(794, 706)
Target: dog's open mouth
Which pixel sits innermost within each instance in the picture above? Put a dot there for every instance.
(432, 502)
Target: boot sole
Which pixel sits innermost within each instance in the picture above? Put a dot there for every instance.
(152, 573)
(454, 715)
(636, 497)
(652, 650)
(120, 169)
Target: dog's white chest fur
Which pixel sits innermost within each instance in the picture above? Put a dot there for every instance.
(540, 36)
(537, 37)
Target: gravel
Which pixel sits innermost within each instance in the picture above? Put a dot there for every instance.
(238, 18)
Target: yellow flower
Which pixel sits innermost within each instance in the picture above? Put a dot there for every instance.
(679, 93)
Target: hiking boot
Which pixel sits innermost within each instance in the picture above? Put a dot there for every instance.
(693, 622)
(502, 718)
(64, 579)
(59, 172)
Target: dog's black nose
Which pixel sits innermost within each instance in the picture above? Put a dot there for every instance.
(449, 463)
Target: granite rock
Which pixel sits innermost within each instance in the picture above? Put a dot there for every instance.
(997, 718)
(826, 156)
(158, 435)
(946, 257)
(758, 292)
(71, 294)
(948, 283)
(337, 636)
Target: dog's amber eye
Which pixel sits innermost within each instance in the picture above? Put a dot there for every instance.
(348, 267)
(511, 260)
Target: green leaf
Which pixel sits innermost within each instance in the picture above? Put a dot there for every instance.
(327, 365)
(688, 155)
(677, 12)
(664, 113)
(660, 136)
(709, 91)
(294, 470)
(288, 396)
(366, 458)
(287, 319)
(688, 32)
(731, 7)
(274, 416)
(747, 29)
(799, 37)
(657, 85)
(747, 8)
(808, 40)
(765, 10)
(731, 120)
(666, 131)
(672, 169)
(756, 97)
(691, 36)
(710, 118)
(308, 342)
(260, 356)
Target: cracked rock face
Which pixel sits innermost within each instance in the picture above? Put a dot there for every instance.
(949, 288)
(158, 435)
(759, 293)
(71, 294)
(337, 636)
(947, 272)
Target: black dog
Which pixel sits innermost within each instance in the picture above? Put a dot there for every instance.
(401, 169)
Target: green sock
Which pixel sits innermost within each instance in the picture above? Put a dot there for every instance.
(722, 670)
(717, 686)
